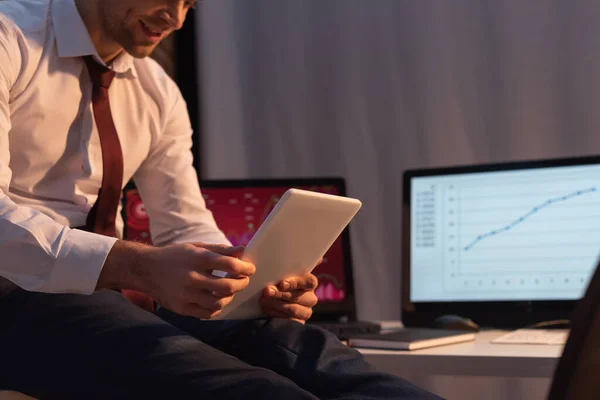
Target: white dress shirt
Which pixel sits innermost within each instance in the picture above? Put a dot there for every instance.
(50, 154)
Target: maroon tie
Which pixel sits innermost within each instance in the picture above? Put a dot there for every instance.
(101, 218)
(103, 214)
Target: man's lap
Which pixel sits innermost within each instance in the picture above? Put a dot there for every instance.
(311, 357)
(75, 342)
(53, 343)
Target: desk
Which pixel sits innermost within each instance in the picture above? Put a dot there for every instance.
(475, 370)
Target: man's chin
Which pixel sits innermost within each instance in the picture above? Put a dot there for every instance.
(140, 51)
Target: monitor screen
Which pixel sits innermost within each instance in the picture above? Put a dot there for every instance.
(514, 235)
(239, 211)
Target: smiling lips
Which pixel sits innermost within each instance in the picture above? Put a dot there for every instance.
(153, 34)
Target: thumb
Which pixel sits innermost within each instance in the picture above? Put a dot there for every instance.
(223, 249)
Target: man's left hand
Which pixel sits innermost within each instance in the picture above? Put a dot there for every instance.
(292, 298)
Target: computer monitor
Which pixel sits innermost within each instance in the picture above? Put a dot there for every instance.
(508, 244)
(240, 207)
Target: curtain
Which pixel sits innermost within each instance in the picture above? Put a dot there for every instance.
(365, 89)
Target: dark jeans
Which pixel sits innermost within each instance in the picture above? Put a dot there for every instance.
(103, 347)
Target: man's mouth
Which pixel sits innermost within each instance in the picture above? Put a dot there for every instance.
(152, 33)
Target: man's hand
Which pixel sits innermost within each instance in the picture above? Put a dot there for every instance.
(179, 277)
(292, 298)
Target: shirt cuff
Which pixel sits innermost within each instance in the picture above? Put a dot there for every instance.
(80, 262)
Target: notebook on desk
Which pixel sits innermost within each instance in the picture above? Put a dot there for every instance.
(239, 208)
(411, 339)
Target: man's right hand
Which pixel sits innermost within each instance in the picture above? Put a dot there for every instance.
(179, 277)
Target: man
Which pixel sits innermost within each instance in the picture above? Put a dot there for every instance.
(81, 107)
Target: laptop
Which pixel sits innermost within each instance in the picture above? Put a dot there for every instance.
(239, 208)
(506, 245)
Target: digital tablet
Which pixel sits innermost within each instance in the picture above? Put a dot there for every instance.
(290, 242)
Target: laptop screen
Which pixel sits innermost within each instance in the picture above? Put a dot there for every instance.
(239, 212)
(240, 207)
(503, 233)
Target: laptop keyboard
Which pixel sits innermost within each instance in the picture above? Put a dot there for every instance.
(344, 330)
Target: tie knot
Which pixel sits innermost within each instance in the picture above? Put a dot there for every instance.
(100, 75)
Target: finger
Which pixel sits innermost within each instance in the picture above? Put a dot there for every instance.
(277, 314)
(209, 301)
(232, 266)
(291, 310)
(272, 292)
(235, 251)
(222, 249)
(226, 286)
(304, 282)
(304, 298)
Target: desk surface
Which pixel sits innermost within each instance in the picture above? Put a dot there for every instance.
(477, 358)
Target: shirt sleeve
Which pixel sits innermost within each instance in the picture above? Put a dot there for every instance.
(37, 253)
(168, 183)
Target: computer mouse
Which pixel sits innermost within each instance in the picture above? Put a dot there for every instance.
(455, 322)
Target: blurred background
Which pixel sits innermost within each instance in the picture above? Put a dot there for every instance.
(365, 89)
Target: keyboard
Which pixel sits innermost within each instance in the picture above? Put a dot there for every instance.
(534, 336)
(344, 330)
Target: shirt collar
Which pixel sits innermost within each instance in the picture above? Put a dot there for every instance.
(73, 39)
